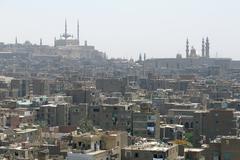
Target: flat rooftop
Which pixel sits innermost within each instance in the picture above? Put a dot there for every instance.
(150, 146)
(193, 149)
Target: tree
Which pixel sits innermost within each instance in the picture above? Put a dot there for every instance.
(189, 137)
(86, 125)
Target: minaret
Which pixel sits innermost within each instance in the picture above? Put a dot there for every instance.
(187, 48)
(140, 57)
(55, 39)
(78, 32)
(16, 41)
(144, 59)
(85, 43)
(207, 47)
(203, 48)
(65, 34)
(65, 29)
(40, 41)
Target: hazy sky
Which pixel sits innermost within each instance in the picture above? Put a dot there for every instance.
(125, 28)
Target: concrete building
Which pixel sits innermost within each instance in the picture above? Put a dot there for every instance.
(170, 132)
(111, 85)
(39, 86)
(209, 124)
(27, 133)
(163, 109)
(54, 114)
(19, 151)
(146, 124)
(194, 154)
(77, 114)
(224, 148)
(181, 116)
(98, 146)
(150, 151)
(19, 88)
(79, 95)
(111, 117)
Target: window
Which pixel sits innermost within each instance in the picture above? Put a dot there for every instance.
(186, 125)
(155, 156)
(227, 156)
(96, 110)
(136, 155)
(79, 144)
(191, 125)
(74, 145)
(128, 154)
(216, 155)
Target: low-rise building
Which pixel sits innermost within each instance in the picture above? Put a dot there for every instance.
(225, 147)
(98, 146)
(150, 151)
(212, 123)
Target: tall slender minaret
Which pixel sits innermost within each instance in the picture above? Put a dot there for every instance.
(207, 47)
(65, 29)
(41, 42)
(78, 32)
(16, 41)
(187, 48)
(65, 34)
(140, 57)
(203, 48)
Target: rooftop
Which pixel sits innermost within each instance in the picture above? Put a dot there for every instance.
(193, 149)
(150, 146)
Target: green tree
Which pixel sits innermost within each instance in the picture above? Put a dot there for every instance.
(189, 137)
(86, 126)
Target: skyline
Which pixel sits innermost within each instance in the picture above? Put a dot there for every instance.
(158, 29)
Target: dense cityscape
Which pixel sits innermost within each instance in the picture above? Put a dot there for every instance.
(71, 102)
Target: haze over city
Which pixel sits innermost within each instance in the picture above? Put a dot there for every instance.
(126, 28)
(119, 80)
